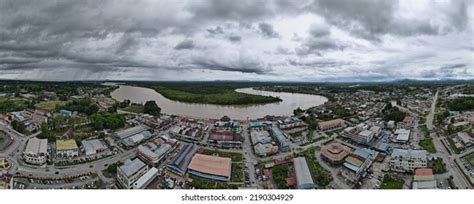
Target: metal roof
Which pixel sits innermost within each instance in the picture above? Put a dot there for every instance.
(410, 153)
(132, 166)
(303, 175)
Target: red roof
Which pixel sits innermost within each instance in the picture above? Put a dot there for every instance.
(408, 119)
(423, 171)
(291, 181)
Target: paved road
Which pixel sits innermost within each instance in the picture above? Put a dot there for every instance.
(452, 170)
(429, 119)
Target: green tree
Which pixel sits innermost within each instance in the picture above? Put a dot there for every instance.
(18, 126)
(151, 108)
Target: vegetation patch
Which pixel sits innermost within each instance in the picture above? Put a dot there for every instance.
(279, 175)
(389, 182)
(438, 166)
(134, 109)
(212, 94)
(202, 183)
(236, 157)
(427, 144)
(470, 158)
(50, 105)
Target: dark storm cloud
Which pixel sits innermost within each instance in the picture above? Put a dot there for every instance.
(121, 36)
(235, 38)
(216, 30)
(267, 30)
(453, 66)
(370, 18)
(239, 64)
(185, 45)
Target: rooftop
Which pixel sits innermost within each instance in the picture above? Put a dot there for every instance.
(132, 166)
(66, 144)
(303, 175)
(211, 165)
(36, 146)
(410, 153)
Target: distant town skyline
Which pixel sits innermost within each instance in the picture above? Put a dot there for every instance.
(298, 40)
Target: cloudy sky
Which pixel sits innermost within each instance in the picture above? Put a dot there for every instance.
(292, 40)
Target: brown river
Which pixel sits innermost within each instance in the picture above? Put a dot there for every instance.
(290, 102)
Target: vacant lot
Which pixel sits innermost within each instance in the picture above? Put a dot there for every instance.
(427, 144)
(390, 182)
(50, 105)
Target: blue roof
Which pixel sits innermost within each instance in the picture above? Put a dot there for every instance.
(147, 133)
(256, 123)
(365, 153)
(351, 166)
(383, 146)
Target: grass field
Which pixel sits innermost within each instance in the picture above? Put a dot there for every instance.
(134, 109)
(427, 144)
(391, 183)
(438, 166)
(2, 136)
(50, 105)
(470, 158)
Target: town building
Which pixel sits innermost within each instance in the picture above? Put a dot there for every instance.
(424, 179)
(357, 164)
(152, 153)
(280, 138)
(210, 167)
(335, 153)
(67, 148)
(124, 134)
(36, 151)
(407, 160)
(364, 137)
(130, 172)
(180, 163)
(264, 150)
(146, 179)
(465, 139)
(402, 135)
(331, 124)
(92, 147)
(304, 179)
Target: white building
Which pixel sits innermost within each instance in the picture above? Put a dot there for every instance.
(130, 172)
(465, 138)
(364, 137)
(146, 179)
(36, 151)
(407, 160)
(402, 135)
(93, 146)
